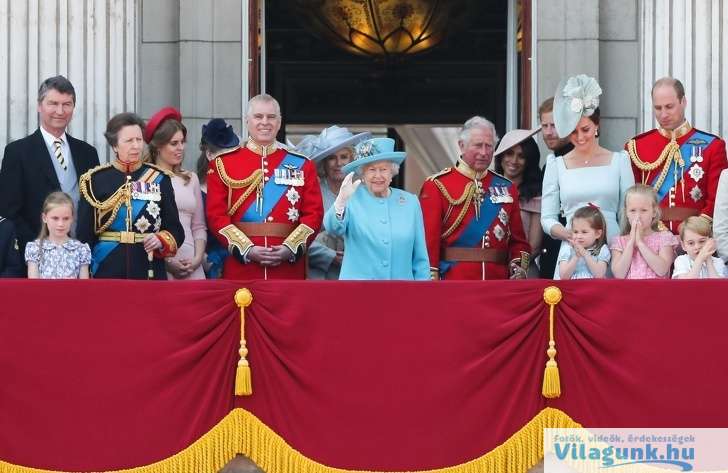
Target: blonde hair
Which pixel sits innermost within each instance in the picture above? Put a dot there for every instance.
(645, 191)
(321, 165)
(699, 225)
(594, 217)
(53, 201)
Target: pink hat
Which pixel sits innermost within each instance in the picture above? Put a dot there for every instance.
(512, 138)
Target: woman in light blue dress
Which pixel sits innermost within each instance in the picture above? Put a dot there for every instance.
(588, 173)
(382, 227)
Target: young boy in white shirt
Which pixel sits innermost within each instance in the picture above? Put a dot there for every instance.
(698, 261)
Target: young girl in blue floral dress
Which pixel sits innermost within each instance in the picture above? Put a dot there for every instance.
(55, 255)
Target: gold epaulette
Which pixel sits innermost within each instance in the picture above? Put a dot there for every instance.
(87, 175)
(254, 177)
(438, 174)
(250, 184)
(467, 192)
(103, 208)
(465, 199)
(669, 154)
(224, 151)
(634, 157)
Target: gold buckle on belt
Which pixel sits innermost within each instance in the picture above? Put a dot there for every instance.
(127, 237)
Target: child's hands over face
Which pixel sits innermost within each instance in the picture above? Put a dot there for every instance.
(580, 250)
(636, 233)
(708, 249)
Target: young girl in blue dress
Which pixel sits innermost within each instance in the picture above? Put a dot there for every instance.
(55, 255)
(587, 256)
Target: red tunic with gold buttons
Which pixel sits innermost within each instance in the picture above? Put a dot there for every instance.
(263, 196)
(449, 200)
(683, 166)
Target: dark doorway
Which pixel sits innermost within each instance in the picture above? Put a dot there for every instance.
(318, 83)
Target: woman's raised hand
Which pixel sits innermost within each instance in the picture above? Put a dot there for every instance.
(347, 190)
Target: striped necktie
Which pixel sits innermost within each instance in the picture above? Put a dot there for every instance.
(59, 154)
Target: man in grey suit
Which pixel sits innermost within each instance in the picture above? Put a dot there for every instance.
(45, 161)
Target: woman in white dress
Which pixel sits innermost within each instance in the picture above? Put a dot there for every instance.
(587, 174)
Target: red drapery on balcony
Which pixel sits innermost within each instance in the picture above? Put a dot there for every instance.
(383, 376)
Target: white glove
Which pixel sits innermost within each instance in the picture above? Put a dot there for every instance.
(345, 192)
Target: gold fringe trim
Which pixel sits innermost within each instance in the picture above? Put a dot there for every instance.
(240, 432)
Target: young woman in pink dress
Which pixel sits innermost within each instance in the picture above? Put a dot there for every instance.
(166, 136)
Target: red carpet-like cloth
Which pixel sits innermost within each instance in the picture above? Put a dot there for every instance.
(102, 375)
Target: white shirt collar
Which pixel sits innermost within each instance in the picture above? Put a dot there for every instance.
(49, 138)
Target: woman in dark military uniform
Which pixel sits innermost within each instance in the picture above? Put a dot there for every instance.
(127, 213)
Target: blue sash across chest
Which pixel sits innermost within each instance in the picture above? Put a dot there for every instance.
(686, 151)
(102, 249)
(476, 228)
(272, 192)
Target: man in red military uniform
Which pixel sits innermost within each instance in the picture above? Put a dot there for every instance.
(682, 163)
(263, 202)
(472, 218)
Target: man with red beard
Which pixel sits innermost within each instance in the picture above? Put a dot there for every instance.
(263, 202)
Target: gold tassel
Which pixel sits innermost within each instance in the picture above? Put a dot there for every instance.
(243, 382)
(551, 381)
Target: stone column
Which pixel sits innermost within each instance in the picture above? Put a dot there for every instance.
(192, 59)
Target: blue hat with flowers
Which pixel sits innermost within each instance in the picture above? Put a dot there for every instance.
(373, 150)
(328, 142)
(218, 133)
(576, 97)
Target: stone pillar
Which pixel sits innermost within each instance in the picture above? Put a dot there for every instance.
(600, 39)
(567, 42)
(91, 43)
(192, 59)
(687, 40)
(619, 72)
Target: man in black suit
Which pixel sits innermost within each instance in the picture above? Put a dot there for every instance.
(46, 161)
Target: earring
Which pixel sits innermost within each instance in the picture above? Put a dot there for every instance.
(596, 134)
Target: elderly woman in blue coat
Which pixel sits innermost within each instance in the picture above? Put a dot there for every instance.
(382, 227)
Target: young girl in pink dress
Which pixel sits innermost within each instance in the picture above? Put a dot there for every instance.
(643, 251)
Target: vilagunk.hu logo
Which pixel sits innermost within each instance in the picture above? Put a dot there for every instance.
(569, 450)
